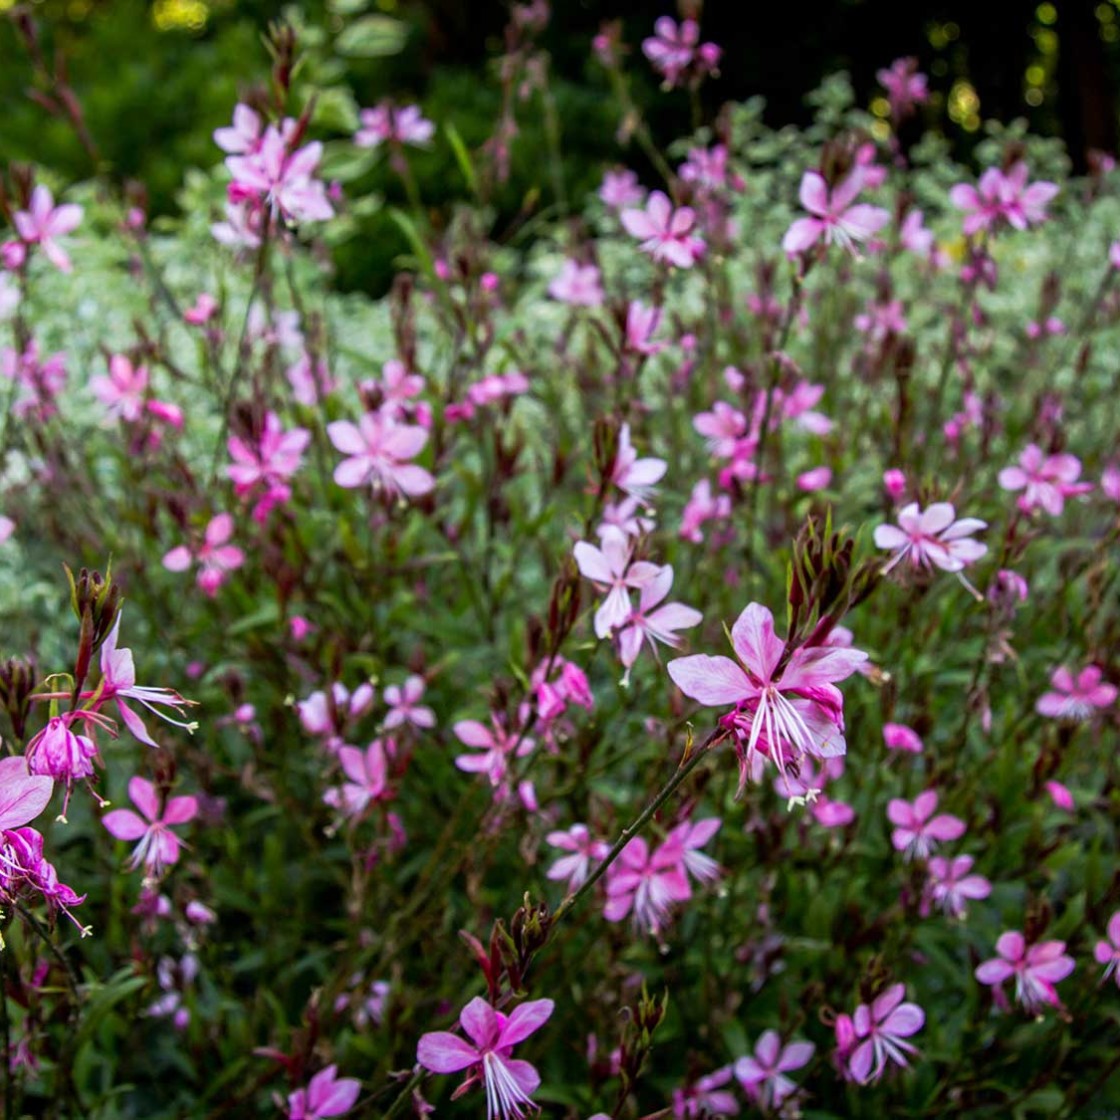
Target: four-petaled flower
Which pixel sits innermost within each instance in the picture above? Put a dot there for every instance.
(835, 218)
(654, 623)
(666, 233)
(917, 829)
(763, 1075)
(933, 537)
(786, 705)
(509, 1082)
(647, 883)
(1036, 968)
(610, 568)
(326, 1094)
(43, 222)
(215, 558)
(576, 866)
(1046, 480)
(880, 1030)
(379, 450)
(158, 847)
(1076, 698)
(950, 885)
(405, 707)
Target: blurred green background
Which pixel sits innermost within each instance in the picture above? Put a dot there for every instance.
(156, 78)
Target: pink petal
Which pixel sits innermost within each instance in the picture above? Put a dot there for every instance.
(480, 1022)
(179, 810)
(524, 1020)
(754, 640)
(144, 797)
(124, 824)
(813, 194)
(711, 681)
(443, 1052)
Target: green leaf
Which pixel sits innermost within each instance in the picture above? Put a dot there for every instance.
(336, 109)
(345, 162)
(462, 156)
(372, 37)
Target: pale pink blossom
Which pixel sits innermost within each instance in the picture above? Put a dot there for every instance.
(405, 707)
(623, 517)
(509, 1082)
(722, 428)
(266, 463)
(385, 122)
(1076, 698)
(666, 233)
(836, 218)
(215, 558)
(692, 836)
(612, 570)
(705, 1098)
(158, 846)
(1000, 197)
(1036, 969)
(497, 744)
(124, 391)
(932, 537)
(577, 284)
(280, 178)
(641, 325)
(763, 1074)
(23, 795)
(244, 135)
(379, 451)
(634, 476)
(672, 48)
(621, 189)
(702, 506)
(652, 623)
(43, 222)
(1046, 480)
(917, 830)
(583, 850)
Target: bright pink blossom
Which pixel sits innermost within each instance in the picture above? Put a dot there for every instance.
(23, 795)
(917, 830)
(326, 1095)
(647, 883)
(159, 846)
(264, 464)
(1076, 698)
(899, 737)
(836, 219)
(509, 1082)
(367, 771)
(496, 742)
(1036, 968)
(386, 122)
(280, 178)
(906, 87)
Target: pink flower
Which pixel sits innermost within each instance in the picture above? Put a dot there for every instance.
(654, 625)
(899, 737)
(706, 1097)
(835, 218)
(367, 773)
(1108, 952)
(666, 234)
(577, 866)
(950, 886)
(917, 829)
(692, 836)
(906, 88)
(1047, 480)
(39, 381)
(763, 1076)
(611, 570)
(281, 179)
(999, 197)
(1060, 796)
(379, 450)
(634, 476)
(671, 49)
(118, 682)
(123, 392)
(621, 188)
(326, 1095)
(59, 753)
(266, 463)
(816, 479)
(932, 537)
(647, 883)
(882, 1028)
(158, 847)
(23, 795)
(496, 742)
(785, 707)
(215, 558)
(509, 1082)
(405, 707)
(578, 284)
(1036, 968)
(245, 133)
(44, 222)
(641, 325)
(406, 125)
(702, 507)
(1076, 699)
